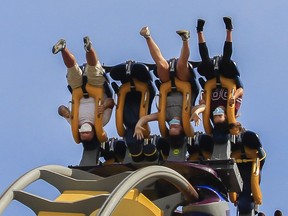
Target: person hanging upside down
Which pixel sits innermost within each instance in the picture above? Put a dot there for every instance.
(94, 72)
(174, 99)
(227, 68)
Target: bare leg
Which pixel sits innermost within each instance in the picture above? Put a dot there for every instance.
(91, 56)
(183, 72)
(68, 58)
(94, 70)
(161, 63)
(229, 35)
(201, 38)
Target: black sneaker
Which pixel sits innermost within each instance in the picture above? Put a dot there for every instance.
(228, 23)
(59, 46)
(200, 24)
(87, 44)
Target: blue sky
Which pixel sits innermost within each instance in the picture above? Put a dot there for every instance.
(34, 84)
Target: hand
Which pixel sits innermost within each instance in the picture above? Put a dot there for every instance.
(138, 133)
(231, 101)
(196, 118)
(236, 127)
(202, 101)
(100, 109)
(108, 103)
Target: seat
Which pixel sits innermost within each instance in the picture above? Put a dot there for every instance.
(189, 91)
(98, 94)
(250, 157)
(134, 99)
(210, 85)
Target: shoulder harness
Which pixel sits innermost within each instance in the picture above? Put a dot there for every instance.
(180, 86)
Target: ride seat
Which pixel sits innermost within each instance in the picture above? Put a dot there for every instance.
(136, 80)
(210, 85)
(189, 91)
(98, 94)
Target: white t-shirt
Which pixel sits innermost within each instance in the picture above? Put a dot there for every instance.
(87, 110)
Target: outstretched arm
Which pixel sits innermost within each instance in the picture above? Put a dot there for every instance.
(138, 133)
(195, 113)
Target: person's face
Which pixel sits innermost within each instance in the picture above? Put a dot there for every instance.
(175, 129)
(86, 136)
(219, 118)
(64, 111)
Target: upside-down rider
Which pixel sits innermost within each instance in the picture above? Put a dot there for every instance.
(218, 109)
(94, 73)
(174, 99)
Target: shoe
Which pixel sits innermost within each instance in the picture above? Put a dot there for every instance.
(64, 111)
(184, 34)
(145, 32)
(228, 23)
(59, 46)
(200, 24)
(87, 44)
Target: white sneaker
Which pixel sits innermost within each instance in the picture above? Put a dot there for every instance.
(87, 44)
(145, 32)
(184, 34)
(60, 45)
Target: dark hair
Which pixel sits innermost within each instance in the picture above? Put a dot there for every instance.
(177, 140)
(92, 144)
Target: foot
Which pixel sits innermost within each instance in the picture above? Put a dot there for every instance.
(145, 32)
(200, 24)
(59, 46)
(228, 23)
(184, 34)
(87, 44)
(64, 111)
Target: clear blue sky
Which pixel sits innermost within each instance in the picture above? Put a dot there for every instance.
(34, 84)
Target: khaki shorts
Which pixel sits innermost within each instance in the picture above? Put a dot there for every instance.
(94, 75)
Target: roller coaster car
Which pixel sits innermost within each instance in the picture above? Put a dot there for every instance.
(134, 99)
(134, 95)
(225, 78)
(210, 85)
(189, 91)
(90, 156)
(243, 147)
(85, 91)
